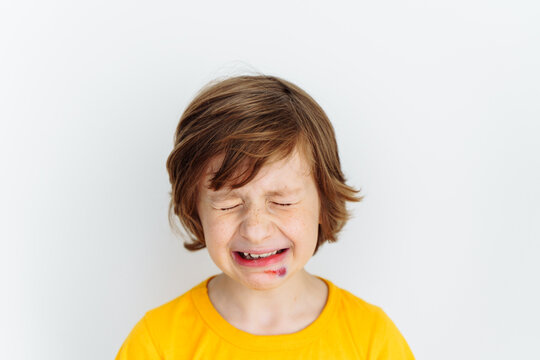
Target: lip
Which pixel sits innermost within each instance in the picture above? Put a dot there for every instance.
(270, 260)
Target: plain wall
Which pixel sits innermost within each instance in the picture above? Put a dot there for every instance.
(435, 106)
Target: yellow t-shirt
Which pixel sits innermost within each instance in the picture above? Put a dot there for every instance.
(189, 327)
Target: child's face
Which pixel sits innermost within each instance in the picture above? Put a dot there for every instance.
(277, 211)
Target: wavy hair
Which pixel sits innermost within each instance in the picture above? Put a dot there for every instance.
(250, 121)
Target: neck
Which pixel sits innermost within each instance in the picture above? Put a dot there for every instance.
(285, 309)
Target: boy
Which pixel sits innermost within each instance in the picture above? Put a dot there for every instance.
(256, 179)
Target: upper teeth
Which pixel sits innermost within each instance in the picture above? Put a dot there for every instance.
(256, 256)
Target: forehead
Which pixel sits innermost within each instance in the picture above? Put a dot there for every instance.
(293, 170)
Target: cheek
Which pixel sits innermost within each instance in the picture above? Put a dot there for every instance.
(302, 227)
(215, 235)
(217, 232)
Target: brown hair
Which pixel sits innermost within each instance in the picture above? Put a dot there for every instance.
(252, 120)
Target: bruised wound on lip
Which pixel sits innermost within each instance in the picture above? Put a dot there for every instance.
(280, 272)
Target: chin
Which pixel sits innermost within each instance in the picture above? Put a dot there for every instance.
(263, 281)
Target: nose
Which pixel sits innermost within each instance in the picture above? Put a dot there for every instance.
(256, 225)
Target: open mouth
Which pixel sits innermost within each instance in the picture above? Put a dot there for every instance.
(249, 256)
(260, 260)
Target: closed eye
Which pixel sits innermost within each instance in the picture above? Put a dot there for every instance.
(282, 204)
(229, 208)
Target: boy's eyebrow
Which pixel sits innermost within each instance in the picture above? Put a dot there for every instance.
(215, 195)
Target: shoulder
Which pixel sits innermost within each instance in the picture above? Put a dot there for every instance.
(181, 306)
(178, 316)
(161, 328)
(355, 306)
(373, 330)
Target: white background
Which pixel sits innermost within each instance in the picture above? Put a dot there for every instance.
(436, 109)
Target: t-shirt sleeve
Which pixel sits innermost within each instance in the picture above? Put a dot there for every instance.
(139, 344)
(392, 345)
